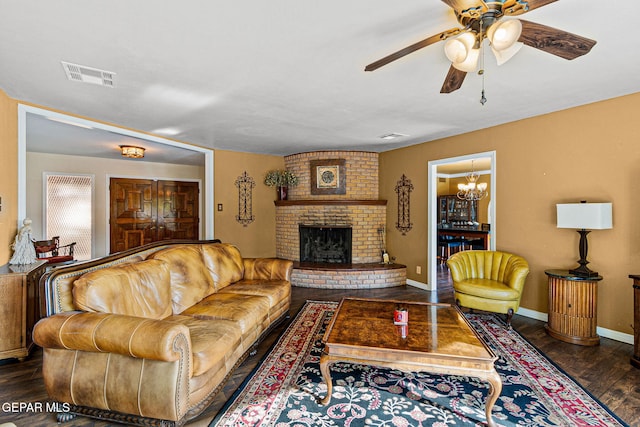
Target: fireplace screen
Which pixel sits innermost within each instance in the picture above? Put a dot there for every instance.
(329, 244)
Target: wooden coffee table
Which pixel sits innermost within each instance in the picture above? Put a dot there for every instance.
(439, 340)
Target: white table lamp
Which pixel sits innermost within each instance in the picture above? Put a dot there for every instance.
(584, 217)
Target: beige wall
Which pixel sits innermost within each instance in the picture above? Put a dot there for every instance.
(257, 239)
(102, 170)
(585, 153)
(8, 174)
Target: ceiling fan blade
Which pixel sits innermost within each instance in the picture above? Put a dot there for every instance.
(512, 7)
(554, 41)
(453, 81)
(410, 49)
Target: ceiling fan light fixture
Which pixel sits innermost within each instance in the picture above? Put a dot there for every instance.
(470, 64)
(462, 52)
(504, 34)
(503, 56)
(455, 50)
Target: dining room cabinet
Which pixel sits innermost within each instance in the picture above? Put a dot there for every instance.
(453, 210)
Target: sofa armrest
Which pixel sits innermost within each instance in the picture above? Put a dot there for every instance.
(114, 333)
(267, 269)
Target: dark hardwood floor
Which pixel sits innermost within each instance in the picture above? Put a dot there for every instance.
(603, 370)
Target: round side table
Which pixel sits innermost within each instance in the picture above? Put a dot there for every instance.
(572, 307)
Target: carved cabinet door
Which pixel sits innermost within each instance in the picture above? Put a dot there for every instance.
(145, 211)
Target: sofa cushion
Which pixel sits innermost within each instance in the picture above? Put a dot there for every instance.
(140, 289)
(487, 288)
(190, 279)
(248, 311)
(275, 290)
(213, 343)
(224, 263)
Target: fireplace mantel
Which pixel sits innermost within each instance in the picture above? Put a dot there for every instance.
(330, 202)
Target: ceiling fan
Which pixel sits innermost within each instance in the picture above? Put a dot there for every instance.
(483, 19)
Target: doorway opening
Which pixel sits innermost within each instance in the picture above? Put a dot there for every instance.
(26, 115)
(456, 168)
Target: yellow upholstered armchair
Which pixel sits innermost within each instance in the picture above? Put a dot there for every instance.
(488, 280)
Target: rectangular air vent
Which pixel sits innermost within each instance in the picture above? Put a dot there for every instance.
(81, 73)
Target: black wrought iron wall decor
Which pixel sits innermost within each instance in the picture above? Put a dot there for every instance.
(245, 186)
(403, 189)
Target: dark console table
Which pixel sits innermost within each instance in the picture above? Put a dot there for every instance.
(635, 359)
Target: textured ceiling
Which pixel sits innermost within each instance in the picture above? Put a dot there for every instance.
(286, 76)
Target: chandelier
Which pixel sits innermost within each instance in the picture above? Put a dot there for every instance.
(472, 190)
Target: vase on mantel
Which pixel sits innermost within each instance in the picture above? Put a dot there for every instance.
(282, 192)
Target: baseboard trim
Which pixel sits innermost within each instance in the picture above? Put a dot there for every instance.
(603, 332)
(420, 285)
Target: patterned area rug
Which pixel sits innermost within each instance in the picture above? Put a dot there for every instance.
(286, 386)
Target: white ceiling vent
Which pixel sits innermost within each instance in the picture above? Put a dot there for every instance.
(80, 73)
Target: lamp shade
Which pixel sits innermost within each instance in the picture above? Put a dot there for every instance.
(588, 216)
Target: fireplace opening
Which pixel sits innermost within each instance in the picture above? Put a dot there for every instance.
(325, 244)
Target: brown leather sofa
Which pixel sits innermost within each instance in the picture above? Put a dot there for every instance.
(148, 336)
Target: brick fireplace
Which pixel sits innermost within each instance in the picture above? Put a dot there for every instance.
(359, 209)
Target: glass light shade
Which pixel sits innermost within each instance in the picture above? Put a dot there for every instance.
(471, 63)
(482, 186)
(460, 51)
(504, 55)
(455, 50)
(504, 34)
(588, 216)
(132, 152)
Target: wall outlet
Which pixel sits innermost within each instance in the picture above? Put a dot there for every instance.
(418, 269)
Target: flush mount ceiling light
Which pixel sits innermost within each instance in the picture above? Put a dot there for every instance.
(81, 73)
(132, 152)
(392, 135)
(167, 131)
(480, 19)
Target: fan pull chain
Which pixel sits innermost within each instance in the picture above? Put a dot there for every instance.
(483, 99)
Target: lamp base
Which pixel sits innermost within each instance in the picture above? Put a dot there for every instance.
(584, 271)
